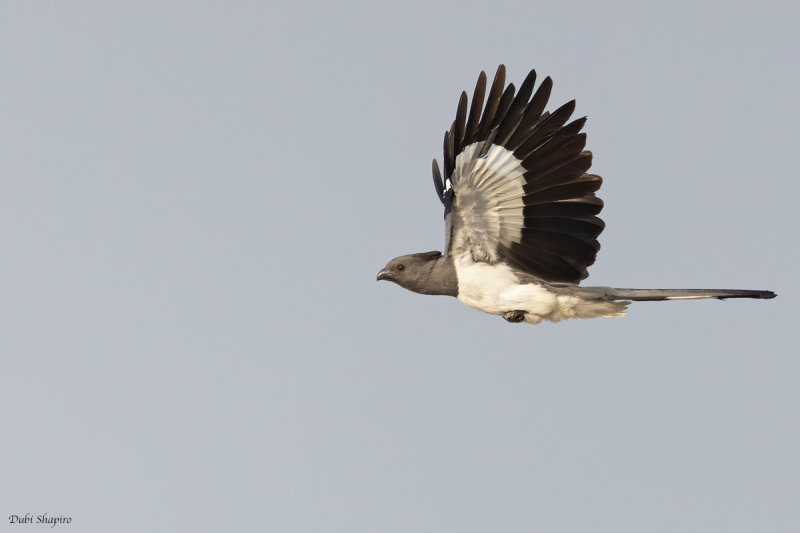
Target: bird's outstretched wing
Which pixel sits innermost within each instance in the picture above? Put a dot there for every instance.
(515, 186)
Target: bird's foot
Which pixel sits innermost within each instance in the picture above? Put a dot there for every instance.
(514, 316)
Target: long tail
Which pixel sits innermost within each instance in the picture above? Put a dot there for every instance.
(649, 295)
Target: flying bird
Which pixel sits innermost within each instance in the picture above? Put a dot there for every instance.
(520, 211)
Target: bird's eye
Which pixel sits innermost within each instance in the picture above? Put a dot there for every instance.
(401, 267)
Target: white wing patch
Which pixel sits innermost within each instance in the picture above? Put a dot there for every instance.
(488, 201)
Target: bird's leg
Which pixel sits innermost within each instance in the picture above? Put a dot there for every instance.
(514, 316)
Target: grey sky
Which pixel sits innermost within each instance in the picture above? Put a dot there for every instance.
(195, 199)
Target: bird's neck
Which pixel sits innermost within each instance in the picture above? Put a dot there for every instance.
(440, 279)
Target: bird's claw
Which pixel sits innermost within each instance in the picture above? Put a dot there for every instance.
(514, 317)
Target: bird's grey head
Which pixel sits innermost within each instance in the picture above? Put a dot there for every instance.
(425, 273)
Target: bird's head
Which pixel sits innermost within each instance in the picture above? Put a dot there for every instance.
(410, 271)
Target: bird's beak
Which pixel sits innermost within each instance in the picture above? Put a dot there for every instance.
(383, 274)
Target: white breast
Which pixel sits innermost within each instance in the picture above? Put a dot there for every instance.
(495, 289)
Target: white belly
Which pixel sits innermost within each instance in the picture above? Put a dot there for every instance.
(496, 290)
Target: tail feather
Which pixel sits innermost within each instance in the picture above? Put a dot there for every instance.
(650, 295)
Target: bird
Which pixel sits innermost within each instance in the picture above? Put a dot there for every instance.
(521, 214)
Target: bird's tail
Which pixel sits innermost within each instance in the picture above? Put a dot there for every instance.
(650, 295)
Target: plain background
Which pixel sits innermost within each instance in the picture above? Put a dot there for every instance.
(195, 198)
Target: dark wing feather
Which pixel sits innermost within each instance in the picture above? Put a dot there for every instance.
(502, 108)
(473, 122)
(520, 189)
(492, 102)
(516, 111)
(437, 180)
(460, 123)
